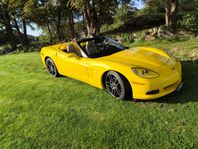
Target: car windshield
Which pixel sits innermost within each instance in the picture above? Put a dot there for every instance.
(100, 46)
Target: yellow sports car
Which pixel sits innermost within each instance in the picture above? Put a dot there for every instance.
(137, 73)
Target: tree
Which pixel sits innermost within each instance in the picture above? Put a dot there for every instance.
(123, 13)
(5, 19)
(52, 15)
(21, 20)
(94, 11)
(171, 9)
(13, 18)
(38, 12)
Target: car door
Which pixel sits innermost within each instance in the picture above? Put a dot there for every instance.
(71, 65)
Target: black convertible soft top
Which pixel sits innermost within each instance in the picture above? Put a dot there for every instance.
(89, 39)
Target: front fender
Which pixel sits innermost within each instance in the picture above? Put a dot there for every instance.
(49, 52)
(96, 71)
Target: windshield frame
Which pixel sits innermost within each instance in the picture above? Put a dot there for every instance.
(122, 47)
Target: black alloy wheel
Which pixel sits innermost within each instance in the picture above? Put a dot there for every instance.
(51, 67)
(117, 86)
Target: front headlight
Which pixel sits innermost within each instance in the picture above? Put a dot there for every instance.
(145, 73)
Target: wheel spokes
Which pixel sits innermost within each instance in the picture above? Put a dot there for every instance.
(110, 78)
(113, 85)
(119, 92)
(51, 67)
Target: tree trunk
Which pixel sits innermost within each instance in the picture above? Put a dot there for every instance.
(18, 30)
(168, 18)
(9, 31)
(58, 25)
(168, 12)
(91, 19)
(174, 16)
(25, 37)
(93, 30)
(71, 23)
(50, 33)
(171, 8)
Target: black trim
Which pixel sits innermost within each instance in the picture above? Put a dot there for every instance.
(152, 92)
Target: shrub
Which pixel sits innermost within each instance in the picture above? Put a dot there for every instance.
(123, 13)
(190, 21)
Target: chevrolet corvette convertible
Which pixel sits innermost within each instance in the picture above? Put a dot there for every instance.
(125, 73)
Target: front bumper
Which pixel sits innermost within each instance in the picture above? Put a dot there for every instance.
(158, 87)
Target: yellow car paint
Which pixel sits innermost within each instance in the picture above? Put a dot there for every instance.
(92, 70)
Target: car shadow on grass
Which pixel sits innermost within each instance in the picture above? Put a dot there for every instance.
(189, 91)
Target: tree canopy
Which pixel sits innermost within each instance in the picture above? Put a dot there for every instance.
(61, 19)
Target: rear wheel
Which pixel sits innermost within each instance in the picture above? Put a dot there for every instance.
(51, 67)
(117, 86)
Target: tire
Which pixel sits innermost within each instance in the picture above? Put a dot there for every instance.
(117, 86)
(51, 67)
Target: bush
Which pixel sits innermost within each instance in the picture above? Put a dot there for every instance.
(123, 13)
(190, 21)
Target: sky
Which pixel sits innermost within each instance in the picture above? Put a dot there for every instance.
(139, 4)
(38, 32)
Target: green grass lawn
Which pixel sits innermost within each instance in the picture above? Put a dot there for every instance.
(38, 111)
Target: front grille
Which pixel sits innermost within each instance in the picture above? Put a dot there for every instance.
(152, 92)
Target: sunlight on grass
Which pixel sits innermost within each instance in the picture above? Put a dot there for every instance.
(38, 111)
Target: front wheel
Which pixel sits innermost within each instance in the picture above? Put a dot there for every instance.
(51, 67)
(117, 86)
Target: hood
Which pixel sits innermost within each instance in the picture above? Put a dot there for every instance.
(143, 56)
